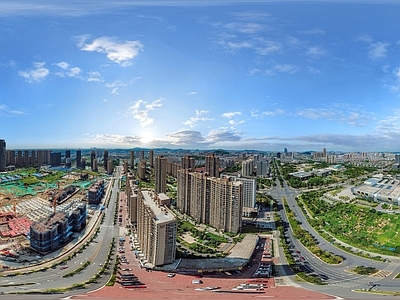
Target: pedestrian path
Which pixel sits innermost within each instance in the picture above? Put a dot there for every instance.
(382, 274)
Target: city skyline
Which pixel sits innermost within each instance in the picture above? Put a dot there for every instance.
(262, 75)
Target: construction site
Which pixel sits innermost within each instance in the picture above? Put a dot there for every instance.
(40, 212)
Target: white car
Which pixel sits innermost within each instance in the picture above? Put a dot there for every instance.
(171, 275)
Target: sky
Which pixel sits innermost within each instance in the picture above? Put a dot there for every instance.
(261, 75)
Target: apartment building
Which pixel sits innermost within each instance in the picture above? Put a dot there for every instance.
(156, 229)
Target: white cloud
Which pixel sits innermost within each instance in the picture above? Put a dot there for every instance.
(193, 120)
(112, 139)
(94, 76)
(116, 51)
(352, 118)
(185, 138)
(271, 113)
(312, 70)
(5, 111)
(267, 47)
(193, 93)
(37, 74)
(237, 45)
(244, 27)
(222, 135)
(315, 52)
(116, 85)
(231, 114)
(63, 65)
(312, 31)
(140, 111)
(378, 50)
(284, 68)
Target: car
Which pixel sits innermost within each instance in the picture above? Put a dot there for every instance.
(171, 275)
(197, 281)
(63, 267)
(126, 269)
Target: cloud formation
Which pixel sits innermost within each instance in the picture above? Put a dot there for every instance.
(140, 111)
(37, 74)
(67, 70)
(378, 50)
(193, 120)
(116, 51)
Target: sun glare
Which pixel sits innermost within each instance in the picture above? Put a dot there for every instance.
(147, 137)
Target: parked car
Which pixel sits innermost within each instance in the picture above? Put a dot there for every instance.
(197, 281)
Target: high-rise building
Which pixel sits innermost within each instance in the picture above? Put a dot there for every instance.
(248, 167)
(212, 165)
(26, 160)
(110, 167)
(141, 169)
(156, 229)
(131, 198)
(40, 158)
(3, 156)
(33, 158)
(47, 156)
(249, 189)
(141, 154)
(132, 159)
(55, 159)
(262, 168)
(10, 158)
(188, 162)
(92, 159)
(68, 158)
(126, 169)
(78, 159)
(160, 174)
(210, 200)
(20, 161)
(105, 159)
(151, 158)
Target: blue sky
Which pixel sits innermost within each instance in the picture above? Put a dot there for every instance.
(200, 74)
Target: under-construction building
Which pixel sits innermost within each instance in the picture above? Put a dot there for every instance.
(52, 233)
(96, 192)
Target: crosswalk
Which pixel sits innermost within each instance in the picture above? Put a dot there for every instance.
(382, 274)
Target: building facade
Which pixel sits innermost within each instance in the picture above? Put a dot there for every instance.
(55, 231)
(212, 165)
(160, 174)
(210, 200)
(156, 229)
(3, 155)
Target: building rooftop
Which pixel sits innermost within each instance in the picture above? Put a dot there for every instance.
(162, 214)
